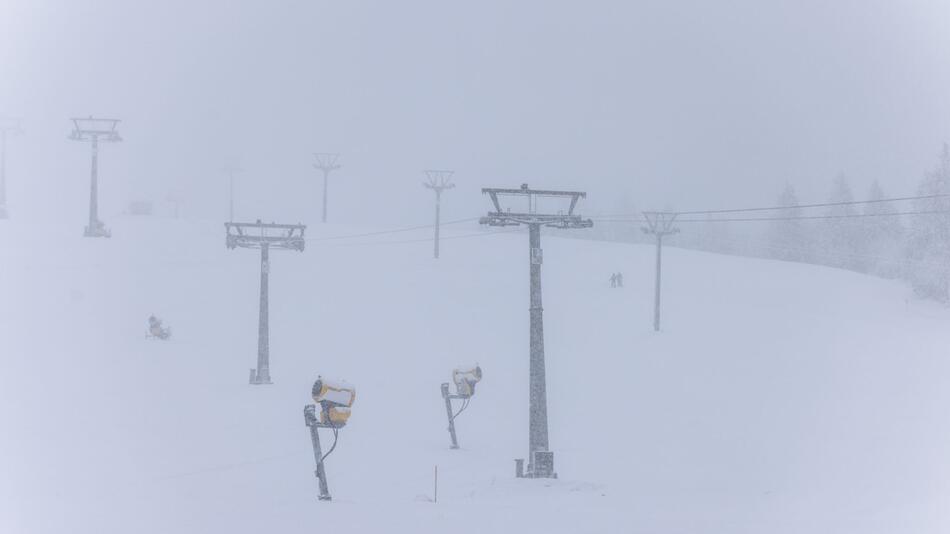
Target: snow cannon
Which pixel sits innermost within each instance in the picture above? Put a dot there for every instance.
(335, 399)
(465, 378)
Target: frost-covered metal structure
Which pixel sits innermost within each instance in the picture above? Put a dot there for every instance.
(327, 163)
(94, 130)
(438, 181)
(335, 398)
(465, 379)
(659, 224)
(264, 236)
(540, 459)
(8, 126)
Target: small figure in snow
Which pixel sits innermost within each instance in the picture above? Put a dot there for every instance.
(613, 280)
(156, 330)
(619, 279)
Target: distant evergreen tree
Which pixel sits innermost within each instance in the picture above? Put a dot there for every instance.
(841, 237)
(928, 243)
(882, 234)
(787, 237)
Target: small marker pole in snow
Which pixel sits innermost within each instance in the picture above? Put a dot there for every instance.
(435, 492)
(326, 162)
(540, 459)
(438, 181)
(659, 224)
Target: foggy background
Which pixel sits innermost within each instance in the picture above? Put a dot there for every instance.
(664, 104)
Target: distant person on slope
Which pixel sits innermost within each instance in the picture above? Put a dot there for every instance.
(619, 279)
(613, 280)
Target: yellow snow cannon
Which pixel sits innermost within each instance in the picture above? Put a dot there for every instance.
(465, 378)
(335, 399)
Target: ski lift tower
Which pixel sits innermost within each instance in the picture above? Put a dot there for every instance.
(326, 162)
(540, 459)
(95, 130)
(264, 236)
(7, 126)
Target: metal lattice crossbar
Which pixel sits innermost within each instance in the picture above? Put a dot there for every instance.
(564, 220)
(256, 235)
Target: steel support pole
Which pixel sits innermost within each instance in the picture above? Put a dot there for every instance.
(438, 205)
(318, 456)
(263, 347)
(538, 408)
(94, 190)
(326, 176)
(656, 300)
(449, 414)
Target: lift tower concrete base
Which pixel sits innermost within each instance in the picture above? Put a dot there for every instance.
(540, 459)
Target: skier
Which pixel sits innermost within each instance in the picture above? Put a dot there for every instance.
(619, 279)
(156, 330)
(613, 280)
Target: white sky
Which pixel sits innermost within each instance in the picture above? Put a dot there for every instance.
(686, 104)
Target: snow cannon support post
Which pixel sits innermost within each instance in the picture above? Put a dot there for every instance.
(465, 378)
(335, 399)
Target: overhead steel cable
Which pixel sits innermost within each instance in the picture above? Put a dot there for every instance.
(405, 241)
(392, 231)
(818, 205)
(791, 218)
(814, 217)
(774, 208)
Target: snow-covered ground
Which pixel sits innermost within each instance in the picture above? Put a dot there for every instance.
(779, 398)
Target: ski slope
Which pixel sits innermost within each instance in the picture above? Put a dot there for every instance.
(779, 398)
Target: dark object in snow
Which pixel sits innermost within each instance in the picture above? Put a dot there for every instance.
(156, 330)
(335, 399)
(465, 379)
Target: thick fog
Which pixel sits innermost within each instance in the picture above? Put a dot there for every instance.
(778, 366)
(685, 104)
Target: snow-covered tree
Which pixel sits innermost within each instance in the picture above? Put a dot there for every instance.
(841, 238)
(787, 237)
(928, 244)
(882, 233)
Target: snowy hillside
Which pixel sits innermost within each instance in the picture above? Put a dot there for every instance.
(779, 398)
